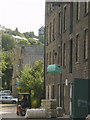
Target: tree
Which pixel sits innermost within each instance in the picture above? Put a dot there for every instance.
(7, 69)
(32, 41)
(32, 79)
(8, 42)
(29, 35)
(23, 42)
(3, 63)
(41, 38)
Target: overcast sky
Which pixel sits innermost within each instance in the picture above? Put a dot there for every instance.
(27, 15)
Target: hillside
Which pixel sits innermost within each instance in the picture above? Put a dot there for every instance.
(27, 38)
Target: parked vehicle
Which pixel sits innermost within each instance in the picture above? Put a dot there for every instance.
(23, 103)
(7, 99)
(4, 94)
(5, 91)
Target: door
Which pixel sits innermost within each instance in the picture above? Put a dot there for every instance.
(80, 98)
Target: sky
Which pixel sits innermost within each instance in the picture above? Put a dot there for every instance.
(26, 15)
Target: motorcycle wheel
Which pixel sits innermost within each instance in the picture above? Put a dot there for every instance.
(23, 112)
(17, 113)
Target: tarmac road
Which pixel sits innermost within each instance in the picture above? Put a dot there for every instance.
(8, 112)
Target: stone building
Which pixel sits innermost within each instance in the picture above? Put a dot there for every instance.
(67, 34)
(24, 55)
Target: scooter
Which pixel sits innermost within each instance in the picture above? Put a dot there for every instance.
(21, 111)
(23, 103)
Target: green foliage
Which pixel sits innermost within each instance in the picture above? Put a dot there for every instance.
(14, 32)
(41, 38)
(7, 42)
(3, 63)
(32, 41)
(29, 35)
(23, 42)
(7, 69)
(32, 79)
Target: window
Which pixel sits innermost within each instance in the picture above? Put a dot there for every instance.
(20, 63)
(50, 91)
(47, 92)
(77, 48)
(47, 59)
(53, 56)
(70, 55)
(53, 29)
(50, 59)
(59, 55)
(78, 11)
(64, 55)
(59, 95)
(86, 7)
(53, 95)
(50, 32)
(60, 26)
(86, 44)
(47, 35)
(71, 17)
(51, 7)
(65, 18)
(23, 50)
(63, 98)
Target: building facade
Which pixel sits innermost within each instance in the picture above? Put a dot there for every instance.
(24, 55)
(67, 34)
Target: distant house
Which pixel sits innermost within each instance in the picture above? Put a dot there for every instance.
(36, 39)
(18, 38)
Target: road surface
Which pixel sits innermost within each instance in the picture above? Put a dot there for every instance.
(8, 111)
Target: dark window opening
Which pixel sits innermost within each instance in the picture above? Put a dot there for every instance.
(70, 55)
(71, 17)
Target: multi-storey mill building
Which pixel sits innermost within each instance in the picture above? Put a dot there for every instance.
(67, 34)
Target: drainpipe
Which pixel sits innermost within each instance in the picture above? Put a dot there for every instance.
(44, 96)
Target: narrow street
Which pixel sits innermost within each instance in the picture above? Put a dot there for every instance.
(8, 111)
